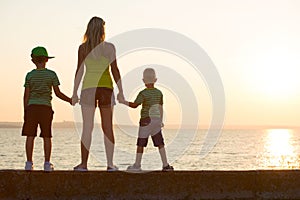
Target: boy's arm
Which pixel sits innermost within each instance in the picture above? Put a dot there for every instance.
(161, 110)
(130, 104)
(61, 95)
(26, 97)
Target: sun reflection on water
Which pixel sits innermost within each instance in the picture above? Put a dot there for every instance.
(279, 152)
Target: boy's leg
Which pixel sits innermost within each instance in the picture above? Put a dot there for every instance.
(29, 147)
(47, 148)
(139, 155)
(29, 130)
(163, 155)
(158, 141)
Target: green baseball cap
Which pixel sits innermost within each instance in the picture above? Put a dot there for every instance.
(40, 51)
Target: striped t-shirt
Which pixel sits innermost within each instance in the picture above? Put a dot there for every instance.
(40, 83)
(151, 99)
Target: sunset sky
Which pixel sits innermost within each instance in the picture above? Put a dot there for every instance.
(255, 46)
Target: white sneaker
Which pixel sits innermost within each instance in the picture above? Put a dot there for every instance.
(28, 166)
(134, 168)
(112, 168)
(48, 167)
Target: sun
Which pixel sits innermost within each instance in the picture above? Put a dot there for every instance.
(277, 74)
(272, 66)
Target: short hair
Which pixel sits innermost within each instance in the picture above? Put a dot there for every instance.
(149, 75)
(39, 59)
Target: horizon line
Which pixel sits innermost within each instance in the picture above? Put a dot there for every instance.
(230, 126)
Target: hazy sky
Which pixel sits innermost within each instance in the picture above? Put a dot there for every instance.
(255, 46)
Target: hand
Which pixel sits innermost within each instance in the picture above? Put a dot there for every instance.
(123, 101)
(74, 100)
(120, 98)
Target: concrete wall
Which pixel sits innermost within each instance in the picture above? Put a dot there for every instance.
(15, 184)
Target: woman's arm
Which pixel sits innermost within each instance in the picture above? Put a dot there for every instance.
(116, 75)
(79, 72)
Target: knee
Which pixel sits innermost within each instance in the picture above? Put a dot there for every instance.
(88, 128)
(107, 128)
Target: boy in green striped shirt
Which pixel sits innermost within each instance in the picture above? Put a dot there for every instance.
(151, 100)
(37, 105)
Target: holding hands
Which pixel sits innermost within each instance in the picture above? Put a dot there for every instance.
(121, 98)
(74, 99)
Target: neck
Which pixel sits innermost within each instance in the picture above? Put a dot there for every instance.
(149, 85)
(41, 65)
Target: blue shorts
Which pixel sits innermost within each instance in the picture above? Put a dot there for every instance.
(99, 97)
(38, 115)
(150, 127)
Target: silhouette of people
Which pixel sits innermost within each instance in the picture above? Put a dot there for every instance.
(96, 59)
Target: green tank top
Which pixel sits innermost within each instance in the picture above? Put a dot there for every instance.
(97, 73)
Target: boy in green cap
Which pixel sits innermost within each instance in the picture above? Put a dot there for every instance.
(37, 105)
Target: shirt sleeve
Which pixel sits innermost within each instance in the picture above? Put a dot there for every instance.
(26, 84)
(55, 81)
(161, 102)
(139, 99)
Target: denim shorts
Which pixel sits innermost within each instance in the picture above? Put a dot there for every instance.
(35, 115)
(99, 97)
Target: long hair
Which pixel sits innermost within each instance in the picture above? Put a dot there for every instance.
(95, 33)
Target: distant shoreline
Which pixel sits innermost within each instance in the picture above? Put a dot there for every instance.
(70, 124)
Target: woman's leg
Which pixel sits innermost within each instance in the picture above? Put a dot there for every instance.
(109, 140)
(88, 113)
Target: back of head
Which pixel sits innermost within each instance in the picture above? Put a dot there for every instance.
(95, 33)
(149, 75)
(39, 59)
(39, 55)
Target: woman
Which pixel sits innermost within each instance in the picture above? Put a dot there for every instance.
(96, 57)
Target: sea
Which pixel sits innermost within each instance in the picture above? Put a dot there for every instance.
(233, 149)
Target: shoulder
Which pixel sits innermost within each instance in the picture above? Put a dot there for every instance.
(31, 72)
(158, 91)
(142, 93)
(109, 46)
(82, 47)
(50, 72)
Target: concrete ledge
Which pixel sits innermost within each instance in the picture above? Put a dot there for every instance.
(17, 184)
